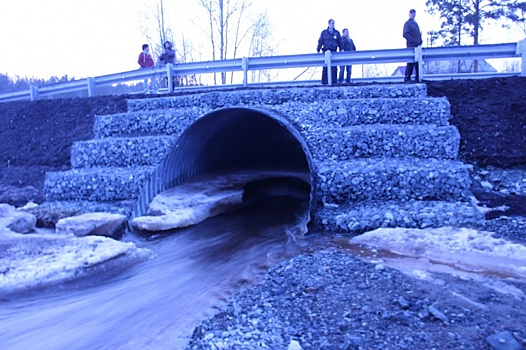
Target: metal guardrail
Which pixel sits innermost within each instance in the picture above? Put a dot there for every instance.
(245, 65)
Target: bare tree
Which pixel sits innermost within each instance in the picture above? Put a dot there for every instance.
(260, 45)
(216, 20)
(376, 70)
(511, 65)
(230, 23)
(185, 54)
(154, 26)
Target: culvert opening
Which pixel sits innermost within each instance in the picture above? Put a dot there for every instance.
(227, 158)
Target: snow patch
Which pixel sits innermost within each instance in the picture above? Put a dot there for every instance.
(463, 252)
(32, 260)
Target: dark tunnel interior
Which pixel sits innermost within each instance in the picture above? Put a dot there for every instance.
(234, 140)
(250, 140)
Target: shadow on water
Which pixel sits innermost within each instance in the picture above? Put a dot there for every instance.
(157, 303)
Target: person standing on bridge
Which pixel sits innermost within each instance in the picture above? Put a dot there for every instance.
(145, 61)
(348, 45)
(413, 38)
(168, 56)
(330, 39)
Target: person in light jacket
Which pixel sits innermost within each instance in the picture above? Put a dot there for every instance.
(413, 38)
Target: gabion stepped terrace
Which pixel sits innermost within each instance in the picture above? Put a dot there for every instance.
(375, 155)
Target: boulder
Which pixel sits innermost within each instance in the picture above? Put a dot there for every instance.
(99, 224)
(15, 220)
(503, 341)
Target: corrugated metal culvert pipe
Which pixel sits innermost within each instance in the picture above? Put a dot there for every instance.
(233, 139)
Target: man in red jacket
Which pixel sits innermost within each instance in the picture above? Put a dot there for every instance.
(145, 60)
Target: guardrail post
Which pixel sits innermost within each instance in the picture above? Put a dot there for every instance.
(418, 60)
(244, 66)
(328, 63)
(521, 50)
(91, 86)
(169, 75)
(33, 92)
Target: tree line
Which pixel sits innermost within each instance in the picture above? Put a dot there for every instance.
(15, 84)
(462, 20)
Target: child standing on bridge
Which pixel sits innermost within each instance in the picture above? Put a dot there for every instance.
(168, 56)
(348, 45)
(145, 61)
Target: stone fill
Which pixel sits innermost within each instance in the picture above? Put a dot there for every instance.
(96, 184)
(384, 140)
(388, 178)
(120, 151)
(370, 144)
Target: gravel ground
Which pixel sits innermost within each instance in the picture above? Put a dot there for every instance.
(327, 298)
(332, 300)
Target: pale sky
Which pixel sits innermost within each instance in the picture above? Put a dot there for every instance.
(80, 38)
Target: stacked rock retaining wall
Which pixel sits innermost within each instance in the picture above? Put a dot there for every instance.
(379, 155)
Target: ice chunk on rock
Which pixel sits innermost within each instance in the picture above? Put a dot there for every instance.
(15, 220)
(36, 260)
(98, 224)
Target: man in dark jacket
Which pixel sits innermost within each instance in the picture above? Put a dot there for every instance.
(168, 55)
(348, 45)
(330, 39)
(413, 38)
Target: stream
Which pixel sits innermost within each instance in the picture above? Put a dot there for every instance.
(157, 303)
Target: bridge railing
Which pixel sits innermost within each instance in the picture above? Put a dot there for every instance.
(245, 65)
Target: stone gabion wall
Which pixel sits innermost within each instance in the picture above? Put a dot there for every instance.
(170, 121)
(366, 216)
(215, 99)
(368, 143)
(96, 184)
(391, 141)
(143, 151)
(343, 113)
(397, 179)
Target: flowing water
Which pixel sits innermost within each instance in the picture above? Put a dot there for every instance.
(157, 303)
